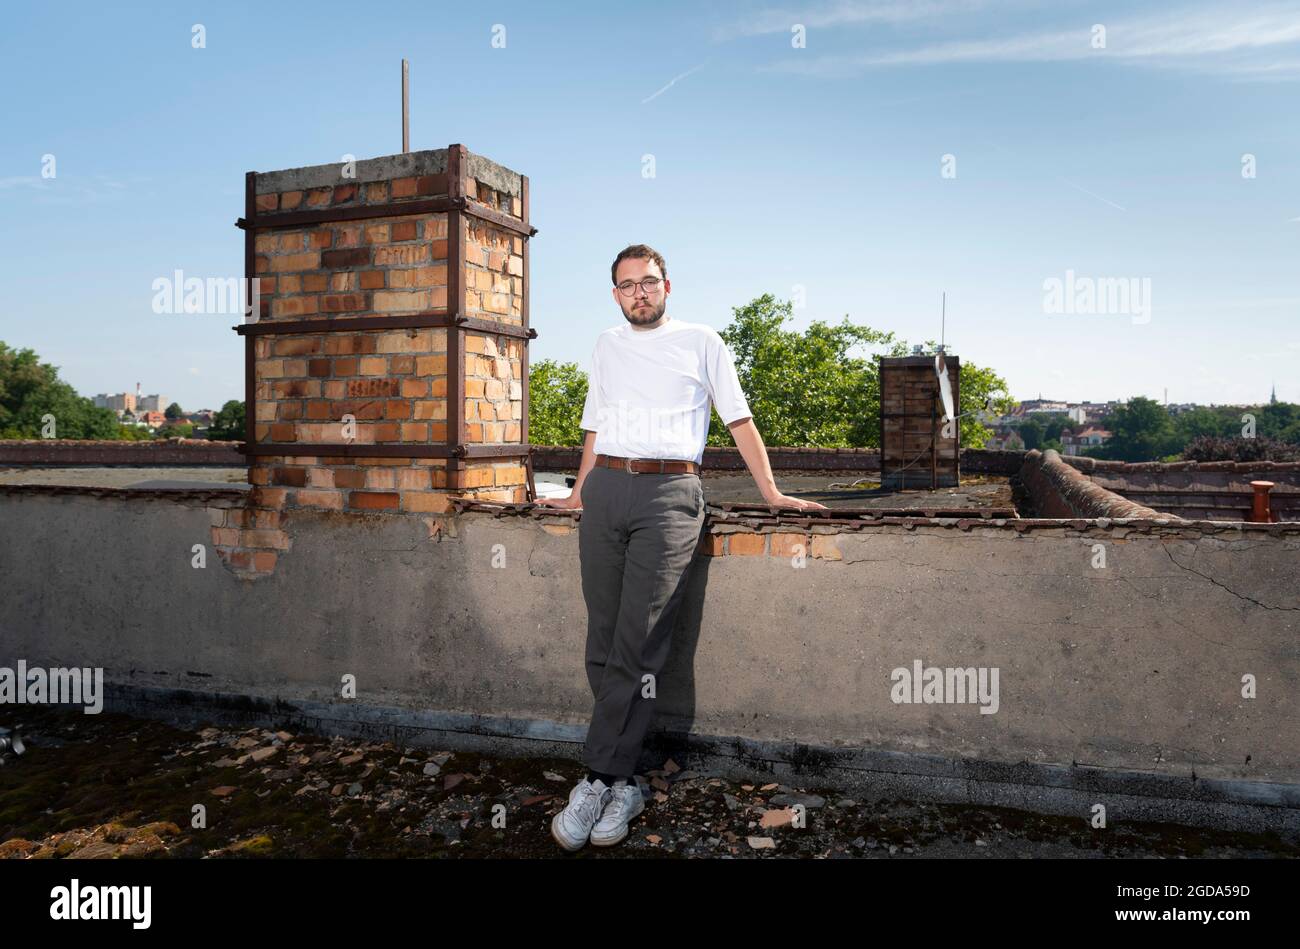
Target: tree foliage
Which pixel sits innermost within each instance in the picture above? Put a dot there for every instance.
(228, 423)
(816, 388)
(30, 390)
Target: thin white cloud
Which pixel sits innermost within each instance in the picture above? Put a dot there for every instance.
(672, 81)
(843, 13)
(1237, 43)
(22, 181)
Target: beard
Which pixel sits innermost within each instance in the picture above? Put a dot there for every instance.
(648, 314)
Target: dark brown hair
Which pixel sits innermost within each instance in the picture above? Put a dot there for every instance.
(640, 252)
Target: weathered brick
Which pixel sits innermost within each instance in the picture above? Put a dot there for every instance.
(712, 545)
(432, 366)
(294, 477)
(264, 561)
(825, 548)
(426, 502)
(418, 479)
(400, 255)
(349, 478)
(350, 257)
(788, 545)
(388, 301)
(291, 262)
(373, 500)
(381, 478)
(297, 346)
(343, 302)
(747, 545)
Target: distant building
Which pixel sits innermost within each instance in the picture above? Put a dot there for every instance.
(1042, 406)
(1072, 443)
(118, 402)
(153, 419)
(1005, 440)
(152, 403)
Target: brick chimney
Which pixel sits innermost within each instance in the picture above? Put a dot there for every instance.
(388, 369)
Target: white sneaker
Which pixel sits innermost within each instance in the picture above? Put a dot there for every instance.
(572, 826)
(625, 803)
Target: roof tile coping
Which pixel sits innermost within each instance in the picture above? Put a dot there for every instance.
(1159, 523)
(1084, 497)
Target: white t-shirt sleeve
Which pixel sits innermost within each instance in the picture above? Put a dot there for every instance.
(595, 398)
(724, 385)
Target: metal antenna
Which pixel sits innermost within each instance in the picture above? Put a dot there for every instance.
(406, 106)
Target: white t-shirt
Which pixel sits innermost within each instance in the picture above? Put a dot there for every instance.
(649, 392)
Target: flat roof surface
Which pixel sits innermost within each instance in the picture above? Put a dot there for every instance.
(842, 489)
(834, 489)
(129, 477)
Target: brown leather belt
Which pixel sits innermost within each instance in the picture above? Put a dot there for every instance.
(648, 465)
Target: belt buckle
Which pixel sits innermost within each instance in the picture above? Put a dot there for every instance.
(627, 464)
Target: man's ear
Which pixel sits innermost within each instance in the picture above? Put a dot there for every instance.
(668, 286)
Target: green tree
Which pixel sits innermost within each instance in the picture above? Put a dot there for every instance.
(30, 390)
(228, 423)
(174, 411)
(822, 387)
(1054, 423)
(134, 433)
(1031, 432)
(1140, 431)
(1275, 419)
(557, 393)
(1202, 421)
(805, 388)
(818, 388)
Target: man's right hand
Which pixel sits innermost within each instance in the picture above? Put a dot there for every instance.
(572, 503)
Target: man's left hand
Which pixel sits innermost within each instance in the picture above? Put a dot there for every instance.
(784, 500)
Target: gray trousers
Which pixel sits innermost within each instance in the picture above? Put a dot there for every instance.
(637, 540)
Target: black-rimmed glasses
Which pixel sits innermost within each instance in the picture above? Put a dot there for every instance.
(650, 285)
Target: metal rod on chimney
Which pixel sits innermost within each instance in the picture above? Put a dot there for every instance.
(406, 106)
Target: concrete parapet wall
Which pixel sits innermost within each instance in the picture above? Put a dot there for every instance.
(787, 639)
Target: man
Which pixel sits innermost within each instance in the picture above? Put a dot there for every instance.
(638, 486)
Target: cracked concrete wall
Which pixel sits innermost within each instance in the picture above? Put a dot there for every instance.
(1136, 664)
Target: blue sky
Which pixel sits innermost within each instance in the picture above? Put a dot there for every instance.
(776, 167)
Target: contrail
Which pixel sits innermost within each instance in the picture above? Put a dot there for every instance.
(1091, 194)
(673, 80)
